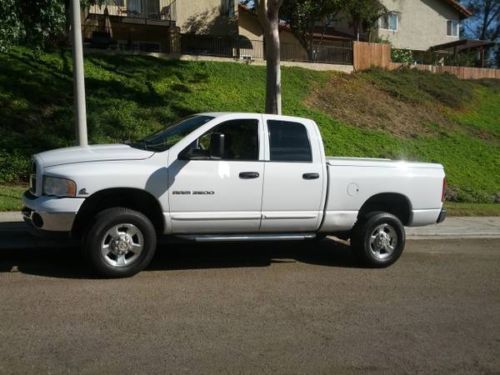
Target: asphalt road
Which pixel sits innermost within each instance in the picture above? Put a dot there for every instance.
(272, 308)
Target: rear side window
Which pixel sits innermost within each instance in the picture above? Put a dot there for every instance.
(289, 141)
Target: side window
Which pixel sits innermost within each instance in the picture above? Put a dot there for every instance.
(241, 139)
(289, 141)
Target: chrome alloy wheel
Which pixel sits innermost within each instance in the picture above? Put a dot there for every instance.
(383, 241)
(122, 245)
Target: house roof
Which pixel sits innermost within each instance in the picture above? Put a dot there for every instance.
(462, 44)
(464, 12)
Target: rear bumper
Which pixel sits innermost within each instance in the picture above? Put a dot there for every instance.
(50, 213)
(442, 216)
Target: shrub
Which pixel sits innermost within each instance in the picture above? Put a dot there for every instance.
(402, 55)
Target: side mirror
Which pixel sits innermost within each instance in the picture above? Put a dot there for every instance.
(193, 154)
(217, 141)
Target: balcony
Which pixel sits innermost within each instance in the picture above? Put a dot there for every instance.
(150, 12)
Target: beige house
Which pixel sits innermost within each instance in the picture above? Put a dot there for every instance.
(226, 28)
(156, 25)
(420, 24)
(329, 45)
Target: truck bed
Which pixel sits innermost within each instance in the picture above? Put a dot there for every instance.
(353, 181)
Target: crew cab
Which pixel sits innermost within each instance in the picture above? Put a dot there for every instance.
(228, 177)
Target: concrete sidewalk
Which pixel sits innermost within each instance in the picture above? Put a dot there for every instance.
(15, 234)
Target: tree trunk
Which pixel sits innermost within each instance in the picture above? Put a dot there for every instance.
(268, 16)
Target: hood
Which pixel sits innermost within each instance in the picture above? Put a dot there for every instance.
(71, 155)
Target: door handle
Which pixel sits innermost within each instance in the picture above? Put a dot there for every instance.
(249, 175)
(310, 176)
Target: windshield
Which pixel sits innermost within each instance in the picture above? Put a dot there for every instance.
(168, 137)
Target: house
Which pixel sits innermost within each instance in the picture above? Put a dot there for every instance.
(156, 25)
(329, 45)
(226, 28)
(418, 25)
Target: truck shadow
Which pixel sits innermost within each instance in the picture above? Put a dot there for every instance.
(68, 262)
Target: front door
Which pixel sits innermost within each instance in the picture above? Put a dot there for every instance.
(223, 194)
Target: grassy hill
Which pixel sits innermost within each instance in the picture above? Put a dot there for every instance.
(404, 114)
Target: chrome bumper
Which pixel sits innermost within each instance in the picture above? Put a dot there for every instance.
(50, 213)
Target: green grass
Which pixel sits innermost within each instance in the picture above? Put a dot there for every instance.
(473, 209)
(130, 96)
(10, 197)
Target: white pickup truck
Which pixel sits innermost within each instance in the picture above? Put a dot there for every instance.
(228, 177)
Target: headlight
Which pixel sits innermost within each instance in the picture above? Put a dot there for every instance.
(60, 187)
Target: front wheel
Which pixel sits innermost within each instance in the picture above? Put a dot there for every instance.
(120, 243)
(379, 239)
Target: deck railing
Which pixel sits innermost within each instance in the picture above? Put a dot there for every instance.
(332, 53)
(157, 10)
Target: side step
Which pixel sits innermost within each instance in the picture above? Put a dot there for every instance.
(248, 237)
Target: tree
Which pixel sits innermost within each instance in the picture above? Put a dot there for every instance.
(304, 16)
(11, 28)
(363, 14)
(268, 12)
(35, 23)
(484, 24)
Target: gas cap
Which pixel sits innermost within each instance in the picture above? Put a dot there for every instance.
(352, 189)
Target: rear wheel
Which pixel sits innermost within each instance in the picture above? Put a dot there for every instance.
(120, 243)
(378, 239)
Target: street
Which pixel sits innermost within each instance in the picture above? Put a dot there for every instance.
(255, 308)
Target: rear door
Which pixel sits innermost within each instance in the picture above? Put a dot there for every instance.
(294, 177)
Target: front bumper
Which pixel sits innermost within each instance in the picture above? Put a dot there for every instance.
(50, 213)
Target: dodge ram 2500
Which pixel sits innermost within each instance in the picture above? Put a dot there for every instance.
(228, 177)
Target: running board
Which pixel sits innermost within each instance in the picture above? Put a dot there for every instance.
(248, 237)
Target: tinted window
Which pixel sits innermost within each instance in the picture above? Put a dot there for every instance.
(289, 141)
(168, 137)
(241, 139)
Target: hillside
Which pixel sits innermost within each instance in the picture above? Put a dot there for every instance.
(405, 114)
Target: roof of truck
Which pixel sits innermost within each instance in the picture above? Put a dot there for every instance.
(242, 114)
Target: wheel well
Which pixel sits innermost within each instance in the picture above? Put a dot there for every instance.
(393, 203)
(135, 199)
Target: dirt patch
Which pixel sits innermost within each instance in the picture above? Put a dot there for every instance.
(356, 101)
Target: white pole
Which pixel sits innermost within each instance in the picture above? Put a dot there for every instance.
(78, 75)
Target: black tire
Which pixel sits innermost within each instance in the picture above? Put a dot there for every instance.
(120, 242)
(378, 239)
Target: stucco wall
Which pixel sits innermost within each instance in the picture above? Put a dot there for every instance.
(204, 17)
(250, 30)
(421, 24)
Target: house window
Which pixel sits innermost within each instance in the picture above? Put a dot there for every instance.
(452, 28)
(389, 21)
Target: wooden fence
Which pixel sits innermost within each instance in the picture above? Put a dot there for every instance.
(369, 55)
(378, 55)
(461, 72)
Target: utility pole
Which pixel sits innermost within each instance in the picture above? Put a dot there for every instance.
(78, 75)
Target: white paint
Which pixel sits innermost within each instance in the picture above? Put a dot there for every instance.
(279, 200)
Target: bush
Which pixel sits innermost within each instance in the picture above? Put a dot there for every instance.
(402, 55)
(14, 167)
